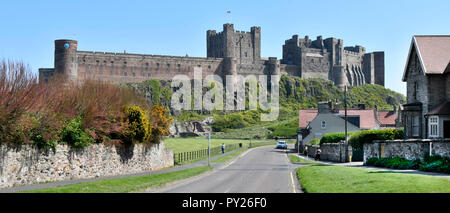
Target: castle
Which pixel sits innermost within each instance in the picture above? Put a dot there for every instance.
(229, 52)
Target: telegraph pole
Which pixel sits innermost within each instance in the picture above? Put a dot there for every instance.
(345, 116)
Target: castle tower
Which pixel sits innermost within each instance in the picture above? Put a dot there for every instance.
(244, 46)
(340, 79)
(66, 58)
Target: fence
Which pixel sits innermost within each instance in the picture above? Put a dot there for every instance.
(179, 158)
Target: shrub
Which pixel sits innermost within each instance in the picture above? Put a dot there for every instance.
(394, 163)
(367, 136)
(436, 163)
(160, 123)
(74, 134)
(314, 142)
(138, 125)
(334, 137)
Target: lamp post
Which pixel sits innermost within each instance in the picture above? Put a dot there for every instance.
(209, 148)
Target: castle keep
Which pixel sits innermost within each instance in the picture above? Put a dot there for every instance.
(229, 52)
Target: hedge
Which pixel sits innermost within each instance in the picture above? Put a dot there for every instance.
(367, 136)
(334, 137)
(433, 163)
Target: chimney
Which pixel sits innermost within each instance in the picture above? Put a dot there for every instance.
(361, 106)
(324, 107)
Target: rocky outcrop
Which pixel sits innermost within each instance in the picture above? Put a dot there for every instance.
(191, 128)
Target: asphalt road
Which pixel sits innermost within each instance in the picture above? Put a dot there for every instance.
(259, 170)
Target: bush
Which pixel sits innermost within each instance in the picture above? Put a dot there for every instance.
(75, 135)
(314, 142)
(393, 163)
(436, 163)
(334, 137)
(367, 136)
(160, 121)
(137, 125)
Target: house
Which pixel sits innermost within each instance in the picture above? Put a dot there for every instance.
(427, 75)
(314, 123)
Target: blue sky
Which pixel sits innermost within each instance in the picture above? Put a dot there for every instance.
(29, 28)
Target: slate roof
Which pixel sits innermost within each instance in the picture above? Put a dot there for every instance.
(433, 52)
(387, 117)
(367, 117)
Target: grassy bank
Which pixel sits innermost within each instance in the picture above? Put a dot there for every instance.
(192, 144)
(295, 159)
(129, 184)
(338, 179)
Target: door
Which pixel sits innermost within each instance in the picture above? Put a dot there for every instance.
(446, 129)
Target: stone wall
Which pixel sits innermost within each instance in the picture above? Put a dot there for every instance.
(409, 149)
(26, 164)
(334, 152)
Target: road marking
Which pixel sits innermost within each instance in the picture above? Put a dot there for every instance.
(293, 183)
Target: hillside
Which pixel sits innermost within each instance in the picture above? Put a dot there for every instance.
(295, 93)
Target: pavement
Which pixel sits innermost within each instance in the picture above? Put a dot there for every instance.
(75, 181)
(258, 170)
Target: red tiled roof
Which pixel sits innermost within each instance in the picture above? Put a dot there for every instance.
(366, 116)
(305, 116)
(442, 109)
(387, 117)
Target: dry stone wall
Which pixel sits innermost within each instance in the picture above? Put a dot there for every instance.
(26, 164)
(409, 149)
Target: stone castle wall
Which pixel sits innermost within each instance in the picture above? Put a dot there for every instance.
(26, 164)
(229, 52)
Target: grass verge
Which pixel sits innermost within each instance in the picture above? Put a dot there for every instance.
(122, 185)
(228, 157)
(339, 179)
(295, 159)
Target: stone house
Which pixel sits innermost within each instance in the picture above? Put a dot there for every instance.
(314, 123)
(427, 75)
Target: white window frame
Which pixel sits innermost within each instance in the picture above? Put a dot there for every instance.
(433, 126)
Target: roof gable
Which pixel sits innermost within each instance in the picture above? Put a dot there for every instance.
(433, 53)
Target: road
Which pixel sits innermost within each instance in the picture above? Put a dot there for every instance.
(259, 170)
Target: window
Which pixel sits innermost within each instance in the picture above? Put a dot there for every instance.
(245, 54)
(434, 126)
(324, 125)
(148, 75)
(415, 126)
(125, 74)
(416, 90)
(134, 74)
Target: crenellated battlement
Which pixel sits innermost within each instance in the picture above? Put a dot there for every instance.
(229, 51)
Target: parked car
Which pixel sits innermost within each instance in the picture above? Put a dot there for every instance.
(281, 145)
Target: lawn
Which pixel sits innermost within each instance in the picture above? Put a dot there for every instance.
(339, 179)
(191, 144)
(129, 184)
(296, 159)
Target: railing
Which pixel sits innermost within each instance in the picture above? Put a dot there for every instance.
(179, 158)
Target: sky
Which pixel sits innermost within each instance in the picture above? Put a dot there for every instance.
(28, 28)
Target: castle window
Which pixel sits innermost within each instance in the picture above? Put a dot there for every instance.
(97, 61)
(112, 63)
(157, 65)
(209, 67)
(245, 54)
(134, 74)
(125, 74)
(148, 75)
